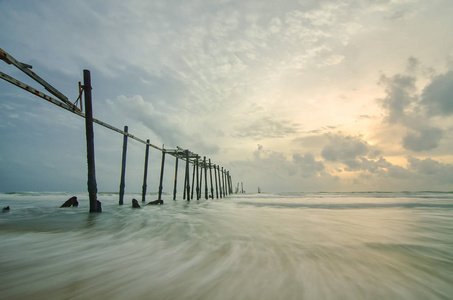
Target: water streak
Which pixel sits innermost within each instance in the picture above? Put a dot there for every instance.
(266, 246)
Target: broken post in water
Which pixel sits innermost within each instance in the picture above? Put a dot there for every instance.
(92, 186)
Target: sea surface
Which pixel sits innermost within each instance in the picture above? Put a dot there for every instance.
(245, 246)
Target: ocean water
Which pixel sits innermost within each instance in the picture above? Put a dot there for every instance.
(260, 246)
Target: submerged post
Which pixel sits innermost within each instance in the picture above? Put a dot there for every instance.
(145, 172)
(161, 175)
(176, 179)
(123, 167)
(95, 206)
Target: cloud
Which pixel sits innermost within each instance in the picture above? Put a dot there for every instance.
(307, 164)
(265, 127)
(425, 138)
(400, 91)
(406, 107)
(436, 172)
(273, 170)
(168, 127)
(437, 97)
(344, 148)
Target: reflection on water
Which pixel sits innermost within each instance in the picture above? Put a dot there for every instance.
(288, 246)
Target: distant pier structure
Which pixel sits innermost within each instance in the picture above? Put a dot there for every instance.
(202, 168)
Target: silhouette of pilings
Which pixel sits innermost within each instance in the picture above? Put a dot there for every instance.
(223, 185)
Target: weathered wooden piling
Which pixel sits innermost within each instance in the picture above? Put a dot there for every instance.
(210, 177)
(198, 179)
(176, 179)
(193, 180)
(123, 167)
(161, 180)
(205, 178)
(216, 187)
(223, 183)
(145, 172)
(220, 182)
(92, 186)
(201, 182)
(187, 186)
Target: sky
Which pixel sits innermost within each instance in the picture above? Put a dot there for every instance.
(289, 95)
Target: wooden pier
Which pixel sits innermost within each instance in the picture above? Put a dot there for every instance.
(201, 166)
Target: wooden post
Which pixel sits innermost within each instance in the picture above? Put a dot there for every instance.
(205, 179)
(223, 183)
(193, 179)
(198, 181)
(123, 167)
(216, 187)
(176, 179)
(227, 175)
(220, 182)
(162, 166)
(187, 176)
(145, 172)
(230, 182)
(201, 181)
(210, 177)
(185, 183)
(92, 186)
